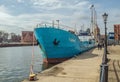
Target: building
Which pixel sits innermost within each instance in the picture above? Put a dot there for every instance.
(27, 37)
(117, 32)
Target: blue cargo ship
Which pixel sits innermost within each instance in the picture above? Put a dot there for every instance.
(59, 45)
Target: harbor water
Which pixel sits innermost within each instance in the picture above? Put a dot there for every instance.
(15, 63)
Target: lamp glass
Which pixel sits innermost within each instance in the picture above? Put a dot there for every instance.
(105, 17)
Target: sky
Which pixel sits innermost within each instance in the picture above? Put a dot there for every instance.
(19, 15)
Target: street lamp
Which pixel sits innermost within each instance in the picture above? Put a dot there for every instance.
(104, 66)
(105, 41)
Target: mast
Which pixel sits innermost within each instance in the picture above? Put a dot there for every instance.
(92, 14)
(94, 26)
(58, 22)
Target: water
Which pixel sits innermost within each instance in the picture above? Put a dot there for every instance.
(15, 63)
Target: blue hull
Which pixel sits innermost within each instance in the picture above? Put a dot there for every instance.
(59, 44)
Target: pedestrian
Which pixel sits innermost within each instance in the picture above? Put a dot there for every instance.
(98, 45)
(103, 44)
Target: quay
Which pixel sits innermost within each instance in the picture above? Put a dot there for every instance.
(16, 44)
(83, 68)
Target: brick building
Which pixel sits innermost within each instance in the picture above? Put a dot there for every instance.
(27, 37)
(117, 32)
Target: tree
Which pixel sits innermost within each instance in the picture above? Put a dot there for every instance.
(0, 36)
(15, 38)
(3, 36)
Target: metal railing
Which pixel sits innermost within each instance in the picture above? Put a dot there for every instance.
(104, 68)
(104, 73)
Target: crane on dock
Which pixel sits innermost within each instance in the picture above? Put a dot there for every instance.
(95, 29)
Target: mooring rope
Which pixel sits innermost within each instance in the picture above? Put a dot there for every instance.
(32, 76)
(32, 62)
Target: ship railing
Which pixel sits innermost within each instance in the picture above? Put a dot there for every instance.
(50, 25)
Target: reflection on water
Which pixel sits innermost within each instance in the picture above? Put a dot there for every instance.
(15, 63)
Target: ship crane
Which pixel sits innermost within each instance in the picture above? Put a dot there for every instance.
(94, 26)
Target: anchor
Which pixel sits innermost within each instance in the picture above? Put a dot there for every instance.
(56, 42)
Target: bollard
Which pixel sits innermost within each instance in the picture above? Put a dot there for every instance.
(32, 77)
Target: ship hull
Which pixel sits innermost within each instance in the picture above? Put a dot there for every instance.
(58, 45)
(54, 60)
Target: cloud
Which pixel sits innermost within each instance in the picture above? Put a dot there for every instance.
(73, 10)
(46, 4)
(67, 12)
(3, 8)
(20, 1)
(58, 4)
(4, 16)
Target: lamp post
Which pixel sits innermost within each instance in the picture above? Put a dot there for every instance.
(105, 41)
(104, 66)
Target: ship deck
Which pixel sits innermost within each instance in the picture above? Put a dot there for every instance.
(83, 68)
